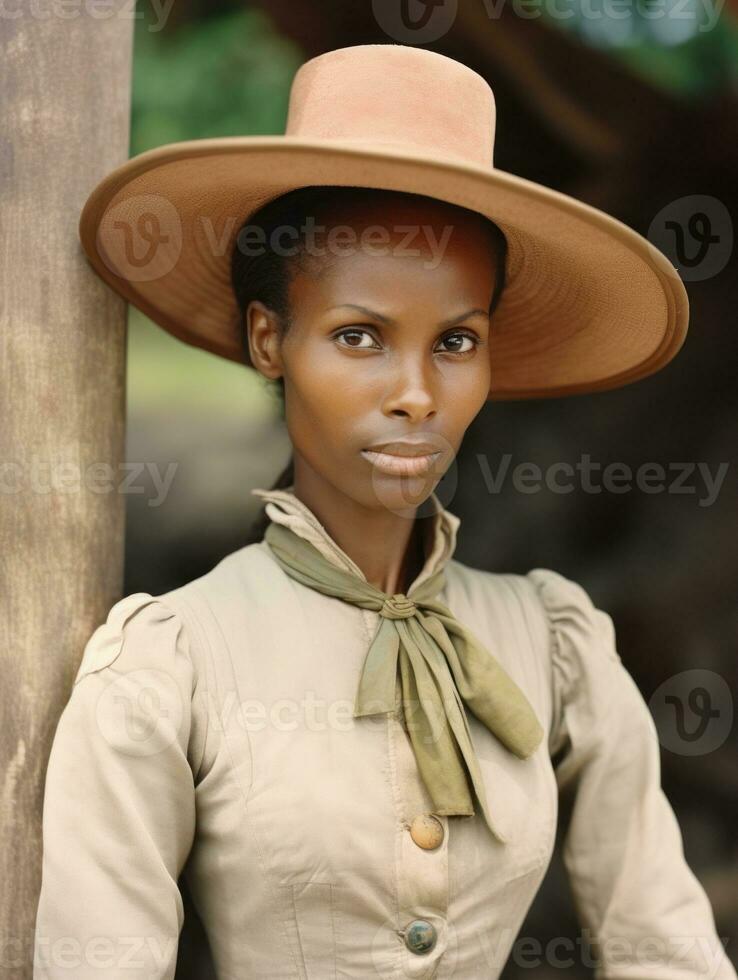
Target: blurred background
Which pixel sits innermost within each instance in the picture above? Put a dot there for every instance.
(630, 107)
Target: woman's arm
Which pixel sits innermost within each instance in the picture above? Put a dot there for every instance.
(119, 803)
(643, 908)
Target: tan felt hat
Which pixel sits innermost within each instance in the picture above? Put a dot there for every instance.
(588, 304)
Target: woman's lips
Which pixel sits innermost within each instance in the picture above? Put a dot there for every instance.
(400, 465)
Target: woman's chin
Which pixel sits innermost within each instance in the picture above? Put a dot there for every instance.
(403, 493)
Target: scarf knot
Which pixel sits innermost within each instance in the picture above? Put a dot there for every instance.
(441, 668)
(398, 606)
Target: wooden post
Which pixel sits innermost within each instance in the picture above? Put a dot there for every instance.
(65, 84)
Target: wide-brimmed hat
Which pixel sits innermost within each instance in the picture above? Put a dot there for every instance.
(588, 303)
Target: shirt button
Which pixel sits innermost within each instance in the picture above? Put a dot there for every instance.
(427, 831)
(420, 936)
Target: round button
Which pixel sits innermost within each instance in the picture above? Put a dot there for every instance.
(420, 936)
(427, 831)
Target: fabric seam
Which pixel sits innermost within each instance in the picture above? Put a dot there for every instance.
(254, 836)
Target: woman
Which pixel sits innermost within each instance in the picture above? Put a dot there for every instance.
(350, 743)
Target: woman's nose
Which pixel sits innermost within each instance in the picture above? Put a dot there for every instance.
(411, 393)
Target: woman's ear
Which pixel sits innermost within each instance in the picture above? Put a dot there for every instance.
(263, 332)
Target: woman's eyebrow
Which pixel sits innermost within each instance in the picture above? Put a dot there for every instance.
(391, 323)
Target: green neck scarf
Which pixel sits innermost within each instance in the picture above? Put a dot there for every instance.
(442, 667)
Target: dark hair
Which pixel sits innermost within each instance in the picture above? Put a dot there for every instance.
(264, 273)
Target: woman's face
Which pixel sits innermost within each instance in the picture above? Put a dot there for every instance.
(389, 341)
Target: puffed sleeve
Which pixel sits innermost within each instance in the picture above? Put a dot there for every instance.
(642, 908)
(119, 803)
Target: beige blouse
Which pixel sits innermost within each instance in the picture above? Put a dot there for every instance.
(210, 733)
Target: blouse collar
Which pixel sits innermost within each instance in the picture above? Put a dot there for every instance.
(283, 507)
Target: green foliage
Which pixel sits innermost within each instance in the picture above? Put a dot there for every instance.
(697, 68)
(165, 374)
(223, 76)
(227, 75)
(688, 47)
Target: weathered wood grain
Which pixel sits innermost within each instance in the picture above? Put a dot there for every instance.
(65, 84)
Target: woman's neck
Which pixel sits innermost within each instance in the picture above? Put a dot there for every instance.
(387, 547)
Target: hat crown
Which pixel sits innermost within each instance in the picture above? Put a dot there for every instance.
(410, 98)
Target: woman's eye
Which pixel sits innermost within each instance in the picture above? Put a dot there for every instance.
(457, 340)
(359, 339)
(352, 334)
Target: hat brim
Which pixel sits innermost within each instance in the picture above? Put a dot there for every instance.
(588, 305)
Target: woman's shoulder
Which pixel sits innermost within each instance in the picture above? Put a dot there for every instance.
(147, 666)
(554, 606)
(139, 628)
(573, 640)
(184, 620)
(143, 629)
(187, 621)
(238, 572)
(550, 588)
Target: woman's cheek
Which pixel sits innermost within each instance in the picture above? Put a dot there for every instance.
(466, 392)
